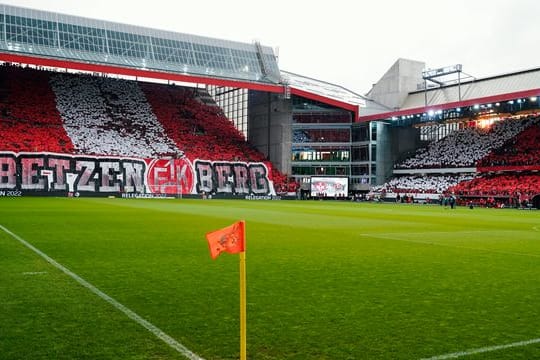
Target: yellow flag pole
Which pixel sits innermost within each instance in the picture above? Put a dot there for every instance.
(243, 305)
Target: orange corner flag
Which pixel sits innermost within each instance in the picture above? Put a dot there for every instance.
(230, 239)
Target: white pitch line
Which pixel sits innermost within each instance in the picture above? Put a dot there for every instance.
(34, 272)
(483, 350)
(129, 313)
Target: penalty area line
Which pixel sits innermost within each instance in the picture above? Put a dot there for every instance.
(483, 350)
(129, 313)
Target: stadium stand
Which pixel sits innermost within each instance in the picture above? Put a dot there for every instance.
(203, 132)
(105, 116)
(94, 115)
(84, 114)
(429, 184)
(463, 148)
(521, 150)
(509, 146)
(508, 189)
(29, 120)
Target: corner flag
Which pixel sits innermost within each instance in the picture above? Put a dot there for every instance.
(232, 239)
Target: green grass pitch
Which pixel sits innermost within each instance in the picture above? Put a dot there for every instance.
(325, 280)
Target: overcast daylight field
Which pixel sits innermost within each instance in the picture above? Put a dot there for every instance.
(325, 280)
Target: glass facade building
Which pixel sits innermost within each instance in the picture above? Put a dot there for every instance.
(234, 103)
(326, 142)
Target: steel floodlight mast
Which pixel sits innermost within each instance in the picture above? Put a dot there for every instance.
(433, 74)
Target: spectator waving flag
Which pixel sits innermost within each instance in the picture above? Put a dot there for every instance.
(230, 239)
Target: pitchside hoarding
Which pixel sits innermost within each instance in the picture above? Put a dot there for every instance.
(83, 175)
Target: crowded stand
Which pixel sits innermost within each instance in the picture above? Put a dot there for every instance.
(508, 146)
(29, 120)
(463, 148)
(434, 184)
(203, 132)
(105, 116)
(43, 111)
(521, 150)
(508, 189)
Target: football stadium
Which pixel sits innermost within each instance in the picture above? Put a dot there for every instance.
(397, 224)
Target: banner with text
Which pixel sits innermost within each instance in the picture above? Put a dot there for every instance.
(50, 173)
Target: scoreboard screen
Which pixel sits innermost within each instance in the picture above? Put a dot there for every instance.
(329, 186)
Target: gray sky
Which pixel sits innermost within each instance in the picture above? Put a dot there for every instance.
(350, 43)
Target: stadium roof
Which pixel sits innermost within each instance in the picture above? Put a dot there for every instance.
(56, 40)
(322, 88)
(36, 33)
(492, 89)
(328, 93)
(477, 89)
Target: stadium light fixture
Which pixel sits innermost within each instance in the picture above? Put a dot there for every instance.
(458, 109)
(511, 102)
(431, 113)
(476, 107)
(533, 98)
(497, 104)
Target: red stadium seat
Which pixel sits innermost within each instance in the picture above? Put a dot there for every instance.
(29, 120)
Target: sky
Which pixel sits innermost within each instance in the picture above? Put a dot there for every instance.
(351, 43)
